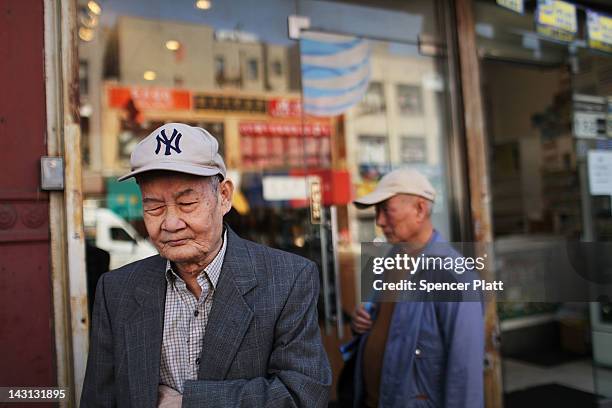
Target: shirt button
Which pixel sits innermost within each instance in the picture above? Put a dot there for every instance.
(417, 352)
(198, 360)
(196, 313)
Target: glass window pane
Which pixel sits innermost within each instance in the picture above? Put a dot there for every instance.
(400, 119)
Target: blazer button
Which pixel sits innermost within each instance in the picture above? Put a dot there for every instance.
(198, 361)
(417, 352)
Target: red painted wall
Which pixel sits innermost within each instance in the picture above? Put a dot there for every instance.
(26, 330)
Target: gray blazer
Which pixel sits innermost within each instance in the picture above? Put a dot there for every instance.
(262, 346)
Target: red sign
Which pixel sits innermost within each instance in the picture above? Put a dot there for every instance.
(284, 129)
(145, 97)
(282, 145)
(285, 108)
(336, 186)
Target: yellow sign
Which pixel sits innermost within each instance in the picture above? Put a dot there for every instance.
(514, 5)
(240, 203)
(316, 201)
(557, 14)
(600, 31)
(555, 34)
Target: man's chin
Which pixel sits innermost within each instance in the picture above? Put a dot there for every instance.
(180, 255)
(391, 239)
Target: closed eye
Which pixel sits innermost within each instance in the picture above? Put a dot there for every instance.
(188, 206)
(154, 210)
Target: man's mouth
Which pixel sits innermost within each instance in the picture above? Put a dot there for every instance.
(176, 242)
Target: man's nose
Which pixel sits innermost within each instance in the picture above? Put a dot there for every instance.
(172, 220)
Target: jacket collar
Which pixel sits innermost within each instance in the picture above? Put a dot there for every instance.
(144, 331)
(231, 313)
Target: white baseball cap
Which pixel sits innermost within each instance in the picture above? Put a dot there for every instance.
(399, 181)
(177, 147)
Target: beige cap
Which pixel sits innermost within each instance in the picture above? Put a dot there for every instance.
(177, 147)
(400, 181)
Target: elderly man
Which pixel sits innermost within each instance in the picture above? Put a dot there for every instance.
(214, 320)
(416, 353)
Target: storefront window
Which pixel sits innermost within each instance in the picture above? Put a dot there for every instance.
(546, 93)
(280, 121)
(147, 63)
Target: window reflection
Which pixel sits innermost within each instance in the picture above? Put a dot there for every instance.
(233, 70)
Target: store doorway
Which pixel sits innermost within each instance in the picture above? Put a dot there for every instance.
(536, 201)
(545, 107)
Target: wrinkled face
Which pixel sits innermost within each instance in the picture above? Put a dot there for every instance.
(184, 214)
(402, 217)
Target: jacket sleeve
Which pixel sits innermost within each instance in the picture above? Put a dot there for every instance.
(462, 324)
(299, 374)
(99, 384)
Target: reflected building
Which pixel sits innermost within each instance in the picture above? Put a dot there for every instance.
(399, 122)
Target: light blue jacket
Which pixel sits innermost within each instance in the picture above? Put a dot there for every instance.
(434, 350)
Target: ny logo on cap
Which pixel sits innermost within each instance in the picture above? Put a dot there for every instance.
(176, 137)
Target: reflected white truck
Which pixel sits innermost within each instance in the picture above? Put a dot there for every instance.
(109, 231)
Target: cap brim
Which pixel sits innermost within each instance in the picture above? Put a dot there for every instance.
(373, 198)
(177, 167)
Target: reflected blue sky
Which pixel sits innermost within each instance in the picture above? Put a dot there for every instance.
(362, 21)
(269, 23)
(268, 18)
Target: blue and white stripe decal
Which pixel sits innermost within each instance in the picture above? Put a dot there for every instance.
(335, 72)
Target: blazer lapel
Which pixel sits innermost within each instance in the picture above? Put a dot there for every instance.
(144, 332)
(230, 315)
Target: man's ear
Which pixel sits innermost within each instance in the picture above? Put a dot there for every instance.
(226, 190)
(422, 208)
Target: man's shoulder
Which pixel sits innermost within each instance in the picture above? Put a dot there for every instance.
(272, 264)
(280, 273)
(276, 255)
(127, 273)
(439, 246)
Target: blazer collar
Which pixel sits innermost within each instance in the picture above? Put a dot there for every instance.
(238, 263)
(231, 313)
(150, 280)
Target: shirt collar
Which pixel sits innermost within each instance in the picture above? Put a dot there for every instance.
(211, 271)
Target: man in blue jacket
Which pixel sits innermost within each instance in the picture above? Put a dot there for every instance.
(417, 353)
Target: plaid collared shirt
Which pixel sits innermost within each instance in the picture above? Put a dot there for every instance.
(185, 320)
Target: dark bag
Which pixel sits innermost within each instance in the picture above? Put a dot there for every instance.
(346, 380)
(345, 389)
(346, 383)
